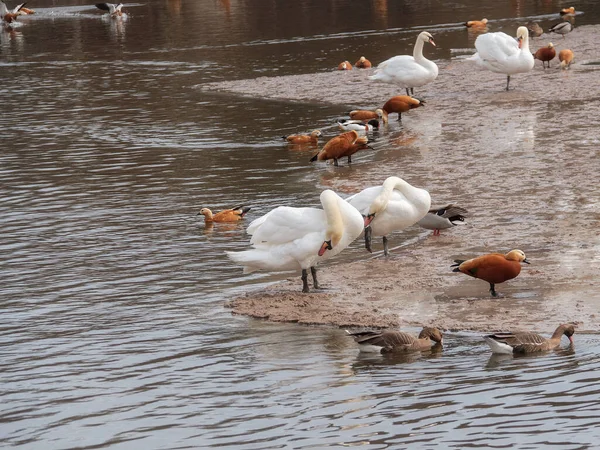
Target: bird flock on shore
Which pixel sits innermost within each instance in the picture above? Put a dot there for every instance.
(291, 238)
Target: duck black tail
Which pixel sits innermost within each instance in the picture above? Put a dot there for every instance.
(314, 158)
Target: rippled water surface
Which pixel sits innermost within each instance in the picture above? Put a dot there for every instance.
(113, 331)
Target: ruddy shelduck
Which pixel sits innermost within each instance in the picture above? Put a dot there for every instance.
(494, 268)
(476, 23)
(360, 144)
(345, 65)
(441, 218)
(561, 28)
(401, 104)
(365, 115)
(391, 341)
(311, 138)
(337, 147)
(528, 342)
(567, 11)
(534, 29)
(362, 63)
(566, 58)
(10, 15)
(113, 9)
(545, 54)
(227, 215)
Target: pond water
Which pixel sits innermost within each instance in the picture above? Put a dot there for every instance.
(114, 333)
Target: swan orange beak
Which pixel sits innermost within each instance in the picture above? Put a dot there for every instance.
(326, 245)
(369, 219)
(571, 340)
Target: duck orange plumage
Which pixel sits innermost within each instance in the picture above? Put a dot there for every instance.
(337, 147)
(565, 57)
(361, 143)
(545, 54)
(363, 63)
(311, 138)
(494, 268)
(227, 215)
(345, 65)
(476, 23)
(10, 16)
(366, 115)
(567, 11)
(401, 104)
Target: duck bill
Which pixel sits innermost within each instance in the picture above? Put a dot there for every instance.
(526, 262)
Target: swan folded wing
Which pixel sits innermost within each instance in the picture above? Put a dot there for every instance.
(496, 47)
(362, 201)
(286, 224)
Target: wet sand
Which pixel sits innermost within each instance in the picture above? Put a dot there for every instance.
(524, 162)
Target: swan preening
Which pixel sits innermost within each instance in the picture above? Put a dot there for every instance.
(500, 53)
(393, 206)
(289, 238)
(408, 71)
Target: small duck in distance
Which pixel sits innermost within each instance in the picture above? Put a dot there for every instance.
(114, 10)
(312, 138)
(476, 23)
(567, 11)
(363, 63)
(565, 57)
(561, 28)
(345, 65)
(534, 29)
(227, 215)
(391, 341)
(441, 218)
(495, 268)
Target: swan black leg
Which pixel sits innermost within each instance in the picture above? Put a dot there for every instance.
(368, 234)
(313, 272)
(507, 81)
(385, 246)
(305, 281)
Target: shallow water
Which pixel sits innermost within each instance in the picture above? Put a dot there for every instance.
(113, 326)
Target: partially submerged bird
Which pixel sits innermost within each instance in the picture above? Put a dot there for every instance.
(494, 268)
(366, 115)
(501, 53)
(393, 206)
(545, 54)
(362, 63)
(115, 10)
(567, 11)
(561, 28)
(534, 29)
(565, 57)
(289, 238)
(401, 104)
(408, 71)
(337, 147)
(358, 125)
(476, 23)
(227, 215)
(441, 218)
(389, 341)
(345, 65)
(311, 138)
(528, 342)
(10, 15)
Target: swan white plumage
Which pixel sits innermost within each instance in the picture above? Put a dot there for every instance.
(288, 238)
(393, 206)
(408, 71)
(501, 53)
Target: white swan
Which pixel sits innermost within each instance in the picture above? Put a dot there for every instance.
(501, 53)
(289, 238)
(408, 71)
(393, 206)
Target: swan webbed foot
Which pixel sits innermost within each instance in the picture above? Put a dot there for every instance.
(385, 247)
(313, 272)
(368, 238)
(305, 281)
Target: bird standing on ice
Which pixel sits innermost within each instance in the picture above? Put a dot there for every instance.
(408, 71)
(500, 53)
(289, 238)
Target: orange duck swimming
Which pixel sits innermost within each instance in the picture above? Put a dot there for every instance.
(311, 138)
(227, 215)
(494, 268)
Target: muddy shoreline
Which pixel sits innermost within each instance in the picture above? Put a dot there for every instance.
(544, 204)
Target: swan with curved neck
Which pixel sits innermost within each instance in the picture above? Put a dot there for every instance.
(407, 71)
(393, 206)
(500, 53)
(288, 238)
